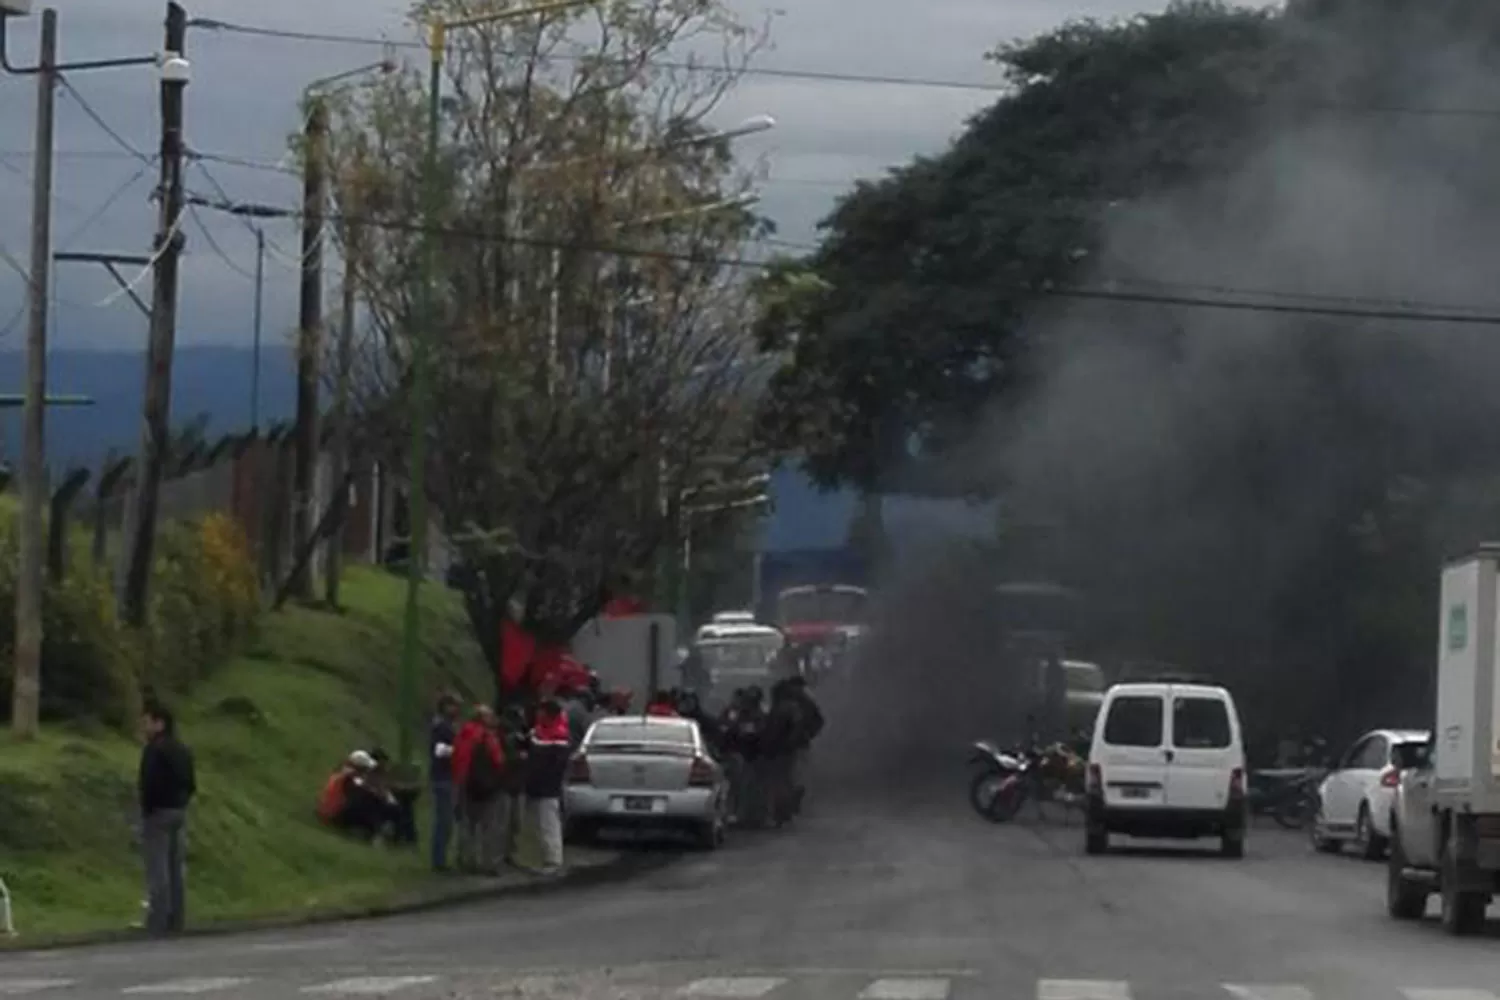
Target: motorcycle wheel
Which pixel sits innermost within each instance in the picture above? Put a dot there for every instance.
(991, 798)
(1295, 813)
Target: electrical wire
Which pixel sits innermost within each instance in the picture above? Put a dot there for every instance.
(98, 120)
(1245, 305)
(282, 256)
(790, 73)
(214, 245)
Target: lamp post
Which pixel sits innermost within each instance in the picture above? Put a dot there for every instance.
(416, 563)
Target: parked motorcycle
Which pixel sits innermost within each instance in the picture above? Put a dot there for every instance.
(1289, 796)
(1003, 781)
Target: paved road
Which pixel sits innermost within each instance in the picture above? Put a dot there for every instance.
(870, 898)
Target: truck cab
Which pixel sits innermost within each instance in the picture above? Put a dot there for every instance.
(1445, 817)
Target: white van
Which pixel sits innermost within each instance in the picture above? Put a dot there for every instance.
(1167, 760)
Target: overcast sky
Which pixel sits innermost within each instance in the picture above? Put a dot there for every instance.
(242, 102)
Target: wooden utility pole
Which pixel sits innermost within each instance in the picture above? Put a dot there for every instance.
(309, 344)
(341, 413)
(168, 252)
(26, 693)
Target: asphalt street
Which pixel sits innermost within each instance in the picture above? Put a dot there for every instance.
(874, 895)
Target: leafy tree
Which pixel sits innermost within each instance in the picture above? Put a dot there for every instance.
(587, 352)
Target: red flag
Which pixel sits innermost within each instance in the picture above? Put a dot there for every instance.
(623, 607)
(517, 649)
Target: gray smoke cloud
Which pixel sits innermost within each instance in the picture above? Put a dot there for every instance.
(1255, 495)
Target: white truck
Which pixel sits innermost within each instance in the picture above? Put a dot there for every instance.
(1445, 820)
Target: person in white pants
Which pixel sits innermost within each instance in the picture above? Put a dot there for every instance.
(547, 768)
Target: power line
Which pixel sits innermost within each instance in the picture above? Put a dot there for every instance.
(788, 73)
(1245, 305)
(98, 120)
(1358, 301)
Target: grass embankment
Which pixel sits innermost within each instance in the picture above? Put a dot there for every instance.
(266, 729)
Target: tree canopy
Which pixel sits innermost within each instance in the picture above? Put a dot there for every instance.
(1258, 491)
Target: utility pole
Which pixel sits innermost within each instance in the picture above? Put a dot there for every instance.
(310, 322)
(26, 694)
(260, 298)
(344, 362)
(168, 251)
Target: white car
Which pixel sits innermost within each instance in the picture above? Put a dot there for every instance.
(1356, 799)
(637, 770)
(1167, 760)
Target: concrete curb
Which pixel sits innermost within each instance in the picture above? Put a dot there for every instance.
(624, 865)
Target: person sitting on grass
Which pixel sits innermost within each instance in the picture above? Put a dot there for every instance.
(355, 802)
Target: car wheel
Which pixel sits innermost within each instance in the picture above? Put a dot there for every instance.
(1232, 844)
(1404, 899)
(1321, 843)
(1096, 840)
(710, 835)
(1372, 846)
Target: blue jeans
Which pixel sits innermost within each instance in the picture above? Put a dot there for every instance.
(442, 822)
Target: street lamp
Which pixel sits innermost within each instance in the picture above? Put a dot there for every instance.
(416, 563)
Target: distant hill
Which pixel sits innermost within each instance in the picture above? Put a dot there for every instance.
(216, 381)
(205, 380)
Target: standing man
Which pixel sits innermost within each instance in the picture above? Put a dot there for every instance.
(478, 772)
(441, 738)
(166, 785)
(546, 770)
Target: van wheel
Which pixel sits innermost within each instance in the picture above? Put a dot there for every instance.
(1096, 840)
(1232, 845)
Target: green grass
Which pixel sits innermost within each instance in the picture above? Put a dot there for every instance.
(266, 729)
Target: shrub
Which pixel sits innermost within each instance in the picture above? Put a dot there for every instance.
(204, 604)
(91, 664)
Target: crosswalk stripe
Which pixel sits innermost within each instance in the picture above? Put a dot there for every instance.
(906, 989)
(1082, 989)
(21, 987)
(205, 985)
(1420, 994)
(370, 985)
(732, 987)
(1268, 992)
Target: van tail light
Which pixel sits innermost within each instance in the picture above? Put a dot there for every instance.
(578, 770)
(1094, 782)
(701, 775)
(1237, 783)
(1390, 778)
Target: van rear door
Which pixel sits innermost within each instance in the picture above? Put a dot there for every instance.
(1205, 749)
(1133, 748)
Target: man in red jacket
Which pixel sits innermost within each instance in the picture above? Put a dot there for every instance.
(547, 768)
(478, 779)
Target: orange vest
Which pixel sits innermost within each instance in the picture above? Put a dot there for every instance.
(331, 802)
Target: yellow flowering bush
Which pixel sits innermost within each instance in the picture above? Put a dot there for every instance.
(204, 600)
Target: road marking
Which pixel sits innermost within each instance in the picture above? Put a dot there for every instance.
(906, 989)
(1267, 992)
(1416, 994)
(206, 985)
(1082, 989)
(732, 987)
(369, 985)
(21, 987)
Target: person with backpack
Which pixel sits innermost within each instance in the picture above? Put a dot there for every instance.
(478, 777)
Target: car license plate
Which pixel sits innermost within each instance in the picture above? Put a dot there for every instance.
(639, 803)
(1134, 792)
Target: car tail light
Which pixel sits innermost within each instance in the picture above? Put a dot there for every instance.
(1390, 778)
(1095, 780)
(701, 775)
(1237, 783)
(578, 770)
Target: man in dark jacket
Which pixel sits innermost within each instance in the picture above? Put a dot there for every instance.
(440, 741)
(546, 769)
(166, 785)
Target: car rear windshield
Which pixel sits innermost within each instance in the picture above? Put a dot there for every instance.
(1200, 723)
(643, 737)
(1134, 721)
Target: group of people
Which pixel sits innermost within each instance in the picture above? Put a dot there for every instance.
(491, 773)
(762, 745)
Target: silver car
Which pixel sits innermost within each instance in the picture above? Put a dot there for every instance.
(647, 771)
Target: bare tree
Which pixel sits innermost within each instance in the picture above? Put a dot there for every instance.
(590, 338)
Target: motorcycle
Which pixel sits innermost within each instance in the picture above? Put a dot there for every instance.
(1288, 796)
(1003, 780)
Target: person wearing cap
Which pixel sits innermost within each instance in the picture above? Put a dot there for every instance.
(442, 734)
(550, 747)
